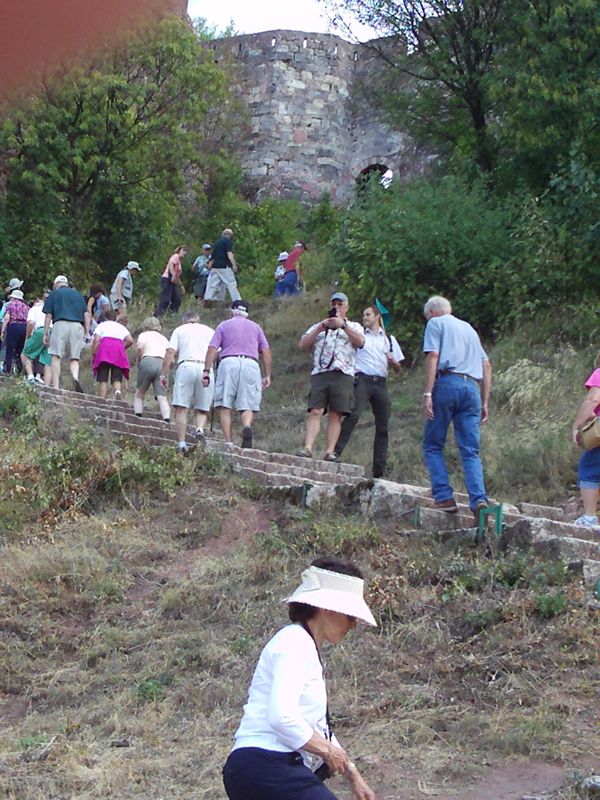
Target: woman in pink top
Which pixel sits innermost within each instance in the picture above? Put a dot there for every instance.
(14, 328)
(171, 287)
(109, 359)
(588, 469)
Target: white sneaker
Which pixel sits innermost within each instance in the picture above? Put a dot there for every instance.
(39, 380)
(30, 379)
(200, 436)
(587, 521)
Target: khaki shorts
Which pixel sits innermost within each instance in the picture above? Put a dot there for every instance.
(148, 374)
(239, 384)
(66, 339)
(332, 391)
(188, 391)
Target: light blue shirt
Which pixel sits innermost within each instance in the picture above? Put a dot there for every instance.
(457, 345)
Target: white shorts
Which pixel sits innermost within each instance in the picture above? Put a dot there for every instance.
(188, 391)
(218, 281)
(239, 384)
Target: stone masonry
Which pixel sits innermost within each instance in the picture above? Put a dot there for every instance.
(311, 130)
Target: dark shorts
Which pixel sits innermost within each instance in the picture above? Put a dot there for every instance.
(332, 391)
(104, 370)
(252, 773)
(589, 469)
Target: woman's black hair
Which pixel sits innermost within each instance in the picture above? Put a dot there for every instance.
(302, 612)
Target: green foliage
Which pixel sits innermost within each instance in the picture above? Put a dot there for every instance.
(96, 160)
(549, 605)
(152, 690)
(20, 407)
(406, 243)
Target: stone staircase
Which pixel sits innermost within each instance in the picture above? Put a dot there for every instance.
(321, 484)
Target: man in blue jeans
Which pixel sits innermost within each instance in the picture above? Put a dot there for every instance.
(458, 378)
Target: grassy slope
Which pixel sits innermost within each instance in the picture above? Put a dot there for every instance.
(135, 617)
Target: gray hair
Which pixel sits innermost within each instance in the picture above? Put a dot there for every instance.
(238, 312)
(438, 304)
(151, 324)
(191, 316)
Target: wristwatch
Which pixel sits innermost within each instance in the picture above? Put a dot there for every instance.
(345, 325)
(426, 394)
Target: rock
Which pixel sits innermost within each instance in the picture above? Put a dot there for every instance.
(590, 787)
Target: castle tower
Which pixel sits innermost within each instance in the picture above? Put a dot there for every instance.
(308, 133)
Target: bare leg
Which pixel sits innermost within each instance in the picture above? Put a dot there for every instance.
(27, 366)
(55, 371)
(74, 367)
(589, 498)
(334, 427)
(180, 422)
(246, 418)
(163, 405)
(47, 375)
(102, 389)
(138, 402)
(116, 387)
(200, 418)
(225, 420)
(313, 426)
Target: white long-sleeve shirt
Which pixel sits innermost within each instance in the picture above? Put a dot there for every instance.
(287, 699)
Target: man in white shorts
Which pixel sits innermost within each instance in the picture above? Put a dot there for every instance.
(222, 270)
(190, 342)
(239, 383)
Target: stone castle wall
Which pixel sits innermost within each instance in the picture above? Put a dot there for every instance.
(309, 131)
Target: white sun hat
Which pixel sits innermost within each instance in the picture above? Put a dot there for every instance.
(283, 255)
(333, 591)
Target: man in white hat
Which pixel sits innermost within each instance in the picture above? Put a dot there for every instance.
(122, 288)
(292, 275)
(280, 268)
(66, 309)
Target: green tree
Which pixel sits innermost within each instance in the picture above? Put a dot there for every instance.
(96, 161)
(438, 69)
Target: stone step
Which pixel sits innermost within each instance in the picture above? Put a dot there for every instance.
(536, 510)
(286, 460)
(274, 479)
(272, 467)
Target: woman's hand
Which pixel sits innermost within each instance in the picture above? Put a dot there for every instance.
(360, 788)
(337, 759)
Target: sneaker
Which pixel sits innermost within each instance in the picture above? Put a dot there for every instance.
(449, 505)
(305, 453)
(117, 395)
(330, 457)
(247, 437)
(587, 521)
(138, 413)
(167, 420)
(39, 380)
(200, 436)
(77, 387)
(185, 450)
(30, 379)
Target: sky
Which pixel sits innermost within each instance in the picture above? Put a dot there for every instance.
(267, 15)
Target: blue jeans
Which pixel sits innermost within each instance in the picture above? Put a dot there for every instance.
(456, 400)
(288, 284)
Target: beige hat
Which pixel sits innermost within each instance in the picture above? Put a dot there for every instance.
(333, 591)
(14, 283)
(61, 279)
(16, 294)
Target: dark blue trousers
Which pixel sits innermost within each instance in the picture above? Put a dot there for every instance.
(15, 341)
(169, 297)
(252, 773)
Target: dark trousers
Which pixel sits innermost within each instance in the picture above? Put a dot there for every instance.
(252, 773)
(373, 391)
(169, 297)
(15, 341)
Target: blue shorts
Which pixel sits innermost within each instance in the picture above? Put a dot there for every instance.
(588, 469)
(252, 773)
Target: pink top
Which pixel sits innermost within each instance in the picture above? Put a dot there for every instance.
(17, 310)
(173, 268)
(239, 336)
(593, 382)
(291, 262)
(111, 351)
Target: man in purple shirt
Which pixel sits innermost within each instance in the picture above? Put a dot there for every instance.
(238, 381)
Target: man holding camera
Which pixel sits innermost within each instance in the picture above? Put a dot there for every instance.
(334, 342)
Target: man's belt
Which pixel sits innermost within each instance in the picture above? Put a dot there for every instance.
(251, 358)
(191, 361)
(458, 374)
(372, 378)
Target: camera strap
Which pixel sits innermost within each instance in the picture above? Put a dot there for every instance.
(329, 731)
(326, 369)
